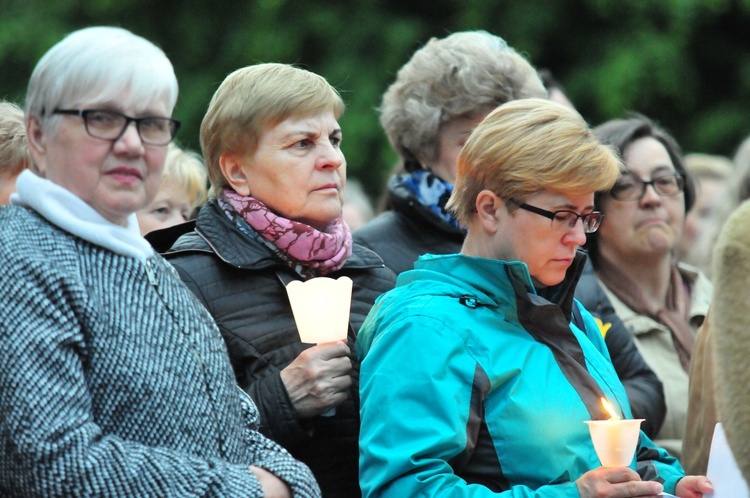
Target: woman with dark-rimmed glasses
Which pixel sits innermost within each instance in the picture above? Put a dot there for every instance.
(662, 301)
(479, 369)
(445, 89)
(115, 381)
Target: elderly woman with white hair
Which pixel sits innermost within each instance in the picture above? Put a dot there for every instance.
(115, 381)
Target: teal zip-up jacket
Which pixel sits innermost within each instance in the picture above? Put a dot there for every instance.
(475, 384)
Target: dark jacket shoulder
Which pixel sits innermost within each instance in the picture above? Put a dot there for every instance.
(407, 231)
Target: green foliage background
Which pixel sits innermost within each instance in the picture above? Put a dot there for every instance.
(684, 63)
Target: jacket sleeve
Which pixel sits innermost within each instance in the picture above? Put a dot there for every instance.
(656, 464)
(644, 389)
(399, 457)
(260, 379)
(51, 443)
(271, 456)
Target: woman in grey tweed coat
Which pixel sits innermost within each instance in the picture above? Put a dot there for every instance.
(115, 381)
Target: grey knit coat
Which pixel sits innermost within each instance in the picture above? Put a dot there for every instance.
(115, 381)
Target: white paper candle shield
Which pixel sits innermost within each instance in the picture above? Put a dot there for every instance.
(615, 441)
(321, 308)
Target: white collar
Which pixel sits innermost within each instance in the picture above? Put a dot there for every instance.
(64, 209)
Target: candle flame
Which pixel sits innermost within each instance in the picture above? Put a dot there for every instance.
(611, 409)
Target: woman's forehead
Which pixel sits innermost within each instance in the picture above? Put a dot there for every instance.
(650, 170)
(132, 95)
(124, 104)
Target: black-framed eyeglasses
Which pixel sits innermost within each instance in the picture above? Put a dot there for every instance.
(631, 188)
(111, 125)
(564, 220)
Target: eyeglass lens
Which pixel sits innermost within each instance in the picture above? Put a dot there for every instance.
(564, 220)
(111, 125)
(630, 188)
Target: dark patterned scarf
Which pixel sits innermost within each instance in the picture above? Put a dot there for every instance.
(431, 191)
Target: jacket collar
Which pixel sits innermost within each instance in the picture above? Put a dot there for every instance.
(545, 315)
(494, 281)
(67, 211)
(485, 279)
(563, 293)
(701, 290)
(215, 233)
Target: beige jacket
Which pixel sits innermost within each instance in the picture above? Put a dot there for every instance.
(654, 342)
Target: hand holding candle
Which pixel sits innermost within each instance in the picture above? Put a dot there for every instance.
(321, 308)
(615, 440)
(319, 379)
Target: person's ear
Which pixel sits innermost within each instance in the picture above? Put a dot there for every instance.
(490, 210)
(35, 142)
(232, 167)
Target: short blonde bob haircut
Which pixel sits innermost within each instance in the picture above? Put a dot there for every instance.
(526, 146)
(253, 99)
(185, 169)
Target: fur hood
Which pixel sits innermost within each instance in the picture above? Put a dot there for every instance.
(730, 322)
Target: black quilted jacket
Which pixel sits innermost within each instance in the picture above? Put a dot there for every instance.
(239, 280)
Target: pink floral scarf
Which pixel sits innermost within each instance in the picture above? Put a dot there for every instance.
(312, 252)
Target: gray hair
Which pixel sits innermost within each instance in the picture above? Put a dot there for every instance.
(100, 65)
(451, 78)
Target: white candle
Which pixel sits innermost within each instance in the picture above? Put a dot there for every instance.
(615, 441)
(321, 308)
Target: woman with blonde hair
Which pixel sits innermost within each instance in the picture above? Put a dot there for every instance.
(183, 189)
(479, 368)
(445, 89)
(14, 154)
(271, 140)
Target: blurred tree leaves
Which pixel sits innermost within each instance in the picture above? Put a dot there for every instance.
(684, 63)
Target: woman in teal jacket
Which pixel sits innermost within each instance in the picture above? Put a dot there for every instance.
(479, 369)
